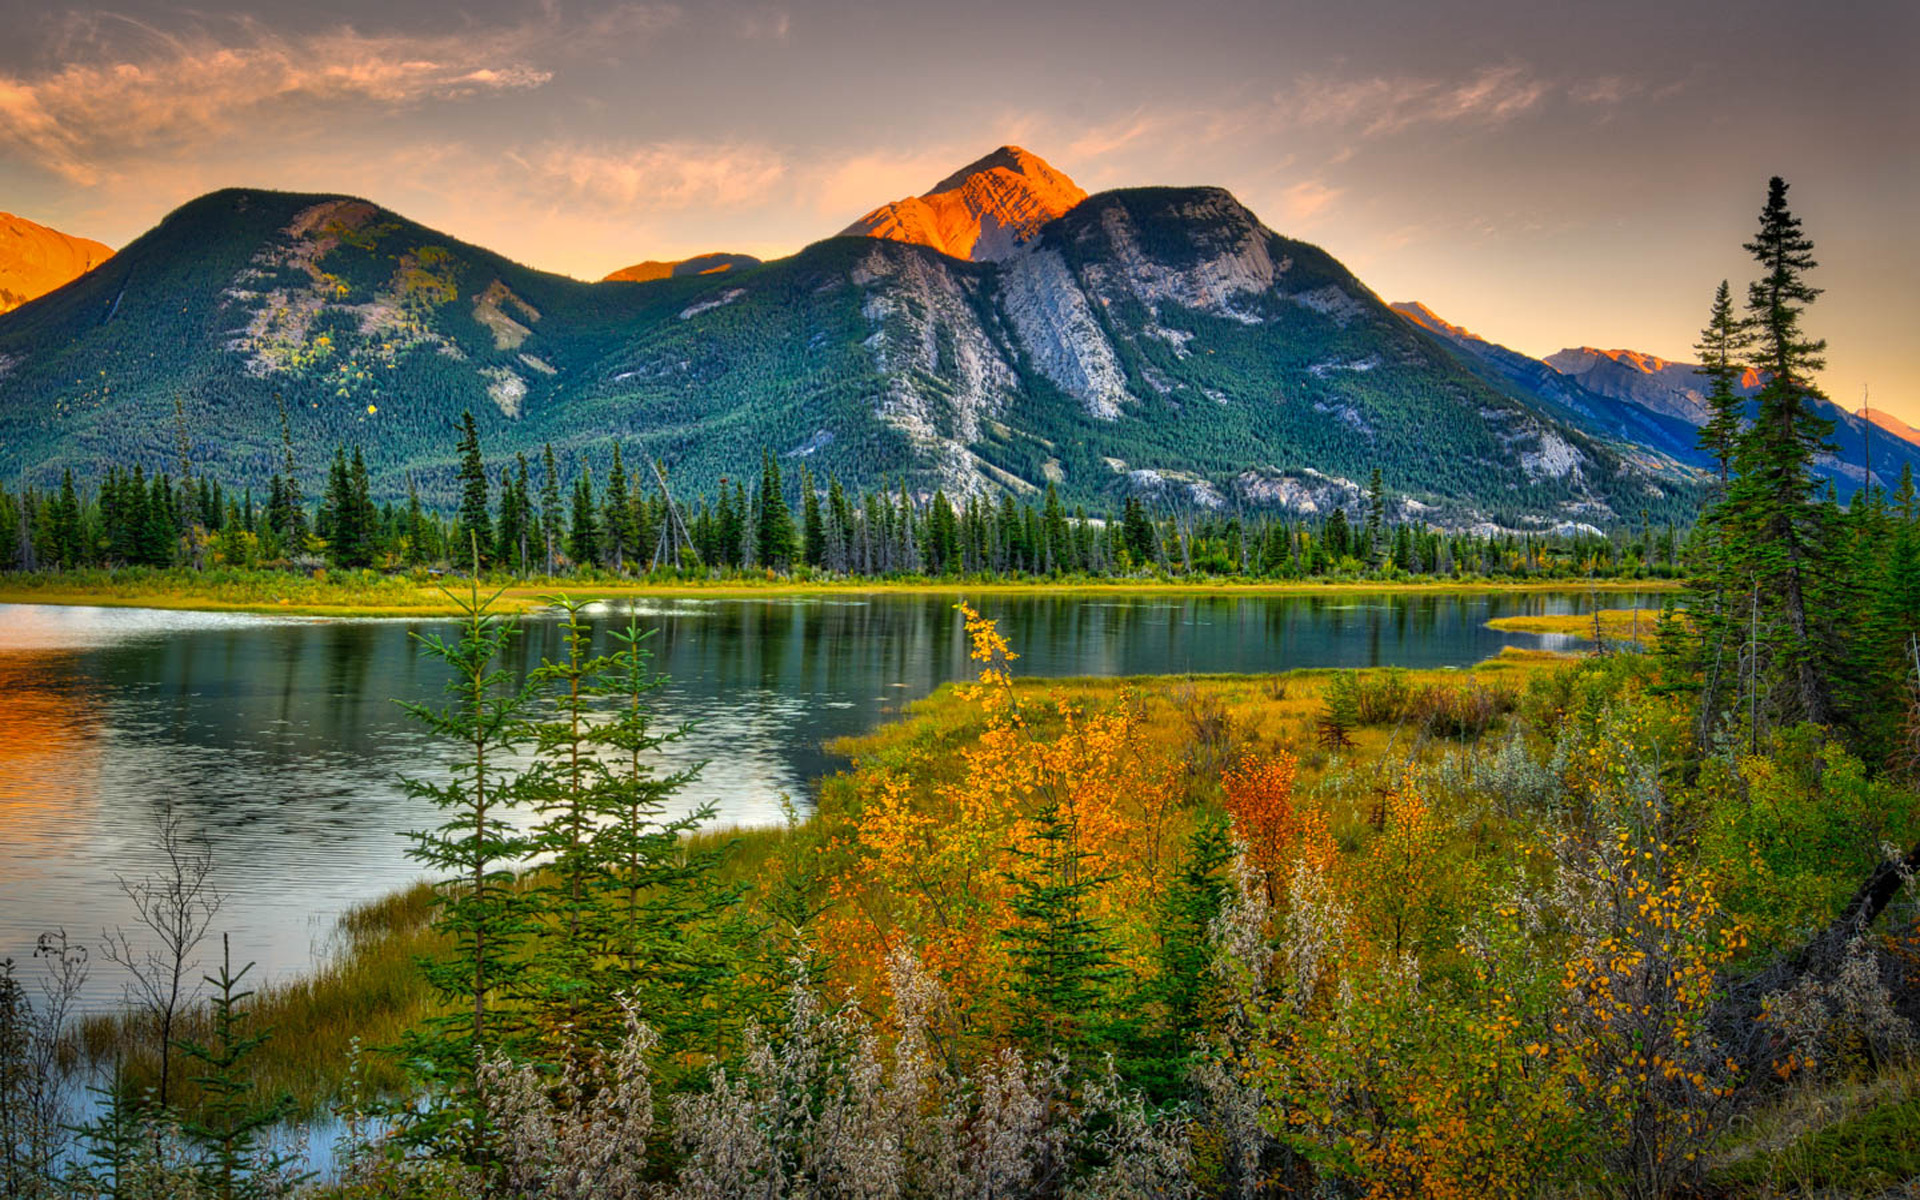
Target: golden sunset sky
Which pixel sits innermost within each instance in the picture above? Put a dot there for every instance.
(1547, 174)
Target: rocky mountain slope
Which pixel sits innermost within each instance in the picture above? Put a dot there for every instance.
(1890, 424)
(34, 259)
(700, 264)
(1643, 401)
(1154, 341)
(983, 211)
(1648, 380)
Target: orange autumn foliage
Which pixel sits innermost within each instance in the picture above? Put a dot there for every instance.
(1278, 832)
(930, 859)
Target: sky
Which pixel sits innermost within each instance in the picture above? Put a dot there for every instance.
(1547, 174)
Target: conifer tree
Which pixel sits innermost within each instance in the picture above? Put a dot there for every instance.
(1777, 540)
(617, 541)
(473, 849)
(776, 537)
(476, 522)
(583, 539)
(1721, 347)
(813, 522)
(230, 1123)
(550, 515)
(1061, 955)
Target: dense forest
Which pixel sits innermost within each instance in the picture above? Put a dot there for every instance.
(1637, 924)
(531, 521)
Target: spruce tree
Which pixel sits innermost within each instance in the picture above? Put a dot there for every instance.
(1722, 346)
(551, 518)
(776, 536)
(474, 849)
(617, 542)
(476, 523)
(230, 1124)
(813, 522)
(583, 539)
(1062, 964)
(1777, 541)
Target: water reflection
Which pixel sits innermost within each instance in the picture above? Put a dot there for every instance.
(282, 742)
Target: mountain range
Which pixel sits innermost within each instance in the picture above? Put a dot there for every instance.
(999, 333)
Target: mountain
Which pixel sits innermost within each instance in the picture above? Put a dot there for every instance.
(981, 212)
(1648, 380)
(1150, 341)
(34, 259)
(702, 264)
(1643, 403)
(1673, 440)
(1890, 424)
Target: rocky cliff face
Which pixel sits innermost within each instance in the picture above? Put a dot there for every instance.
(34, 259)
(983, 211)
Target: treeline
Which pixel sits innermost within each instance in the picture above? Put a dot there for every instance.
(526, 520)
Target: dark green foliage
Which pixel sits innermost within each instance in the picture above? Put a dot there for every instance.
(1062, 969)
(484, 916)
(476, 524)
(229, 1125)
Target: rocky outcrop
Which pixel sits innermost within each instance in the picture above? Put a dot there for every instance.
(34, 259)
(984, 211)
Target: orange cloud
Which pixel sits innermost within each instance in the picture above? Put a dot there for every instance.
(1381, 106)
(126, 91)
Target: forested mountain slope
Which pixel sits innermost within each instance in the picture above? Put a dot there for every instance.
(1153, 341)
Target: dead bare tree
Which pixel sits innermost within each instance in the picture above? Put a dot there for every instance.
(34, 1133)
(176, 904)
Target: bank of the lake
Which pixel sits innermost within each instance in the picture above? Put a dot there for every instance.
(371, 594)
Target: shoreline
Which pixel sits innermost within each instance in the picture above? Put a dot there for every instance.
(391, 597)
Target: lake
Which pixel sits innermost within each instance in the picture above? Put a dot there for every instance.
(280, 740)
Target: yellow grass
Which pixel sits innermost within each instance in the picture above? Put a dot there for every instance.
(1616, 624)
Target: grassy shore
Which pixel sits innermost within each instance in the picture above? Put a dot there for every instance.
(372, 594)
(1616, 624)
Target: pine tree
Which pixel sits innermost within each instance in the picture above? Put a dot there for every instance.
(1721, 347)
(416, 526)
(583, 540)
(476, 523)
(813, 522)
(230, 1123)
(550, 514)
(477, 909)
(1777, 540)
(776, 536)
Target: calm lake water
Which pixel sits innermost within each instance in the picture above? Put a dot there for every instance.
(279, 739)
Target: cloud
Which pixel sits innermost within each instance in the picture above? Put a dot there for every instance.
(649, 178)
(769, 23)
(1381, 106)
(1307, 199)
(126, 91)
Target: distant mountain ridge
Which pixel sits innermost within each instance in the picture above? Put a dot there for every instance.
(1645, 400)
(35, 259)
(983, 211)
(700, 264)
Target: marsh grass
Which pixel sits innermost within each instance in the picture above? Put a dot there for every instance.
(367, 988)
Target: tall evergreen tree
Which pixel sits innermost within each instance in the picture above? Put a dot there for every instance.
(776, 536)
(583, 539)
(551, 517)
(476, 522)
(1777, 536)
(1722, 347)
